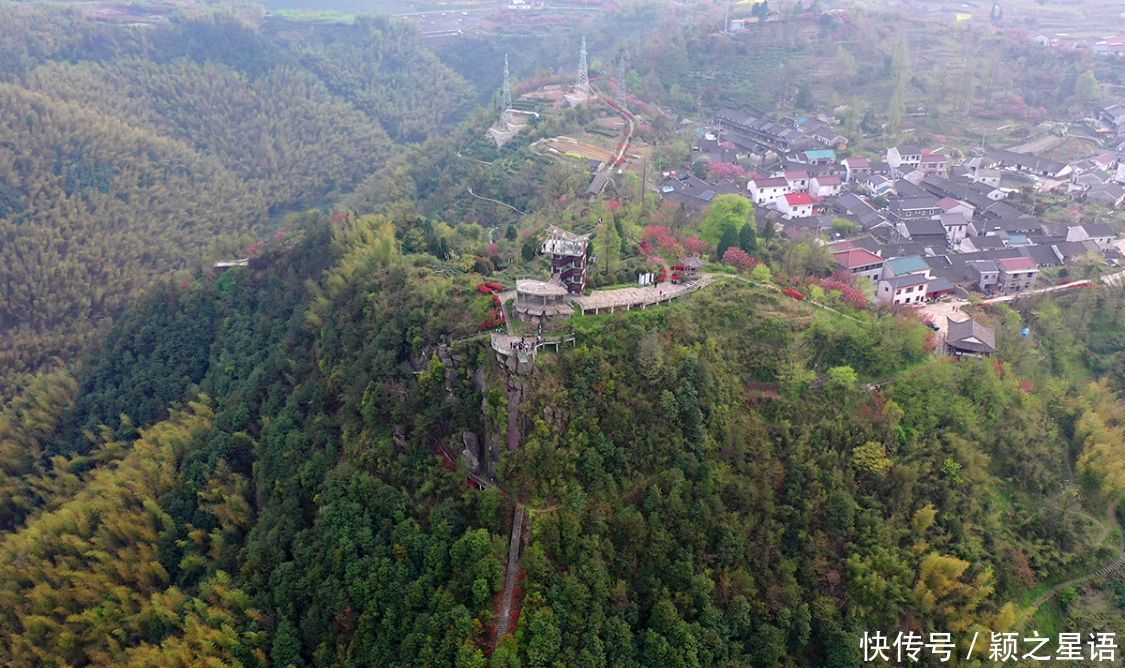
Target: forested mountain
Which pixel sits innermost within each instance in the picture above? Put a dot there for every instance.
(128, 153)
(709, 483)
(271, 464)
(95, 207)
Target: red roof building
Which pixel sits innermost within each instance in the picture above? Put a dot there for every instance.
(1017, 263)
(799, 199)
(853, 258)
(1016, 274)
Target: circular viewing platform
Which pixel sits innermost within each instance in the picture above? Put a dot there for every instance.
(539, 300)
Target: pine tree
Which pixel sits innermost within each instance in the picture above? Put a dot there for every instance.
(729, 239)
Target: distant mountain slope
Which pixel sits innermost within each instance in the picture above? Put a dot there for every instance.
(382, 68)
(97, 209)
(125, 153)
(282, 132)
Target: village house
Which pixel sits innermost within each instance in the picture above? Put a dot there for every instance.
(939, 287)
(693, 191)
(1067, 252)
(1105, 161)
(926, 231)
(933, 164)
(952, 206)
(904, 159)
(1023, 162)
(988, 273)
(795, 205)
(956, 226)
(1113, 115)
(855, 169)
(906, 289)
(1100, 233)
(902, 266)
(824, 156)
(1109, 47)
(969, 338)
(767, 191)
(914, 208)
(798, 180)
(1108, 194)
(878, 185)
(825, 186)
(820, 132)
(982, 243)
(852, 205)
(1016, 274)
(859, 262)
(768, 133)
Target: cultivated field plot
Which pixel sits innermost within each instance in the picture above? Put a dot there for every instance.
(1039, 145)
(576, 148)
(552, 95)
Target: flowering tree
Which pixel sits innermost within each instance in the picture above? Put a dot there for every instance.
(660, 238)
(739, 259)
(697, 246)
(727, 170)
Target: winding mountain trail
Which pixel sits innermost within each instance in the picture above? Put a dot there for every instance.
(1112, 567)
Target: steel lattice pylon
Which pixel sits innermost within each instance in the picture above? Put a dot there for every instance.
(506, 92)
(582, 83)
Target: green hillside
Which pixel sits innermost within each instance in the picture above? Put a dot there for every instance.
(127, 153)
(707, 483)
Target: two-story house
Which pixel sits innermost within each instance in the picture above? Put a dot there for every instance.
(798, 180)
(795, 205)
(913, 208)
(767, 191)
(933, 164)
(1016, 274)
(855, 169)
(859, 262)
(907, 289)
(825, 185)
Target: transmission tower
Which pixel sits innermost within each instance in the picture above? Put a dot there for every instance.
(582, 83)
(506, 91)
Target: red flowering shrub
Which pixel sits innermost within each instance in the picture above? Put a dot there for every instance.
(848, 293)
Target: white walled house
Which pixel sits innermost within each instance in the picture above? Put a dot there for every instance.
(825, 186)
(1100, 233)
(795, 205)
(768, 191)
(906, 289)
